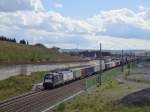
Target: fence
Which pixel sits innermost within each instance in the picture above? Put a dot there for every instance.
(106, 76)
(91, 81)
(140, 72)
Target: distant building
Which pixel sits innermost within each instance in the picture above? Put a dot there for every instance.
(55, 48)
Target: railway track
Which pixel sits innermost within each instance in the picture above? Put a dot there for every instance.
(38, 101)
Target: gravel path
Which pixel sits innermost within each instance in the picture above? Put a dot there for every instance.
(139, 81)
(133, 84)
(143, 77)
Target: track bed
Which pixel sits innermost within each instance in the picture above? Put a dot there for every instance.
(38, 101)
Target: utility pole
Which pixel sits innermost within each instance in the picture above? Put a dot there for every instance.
(100, 65)
(130, 61)
(122, 61)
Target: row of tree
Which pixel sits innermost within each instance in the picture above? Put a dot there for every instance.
(3, 38)
(24, 42)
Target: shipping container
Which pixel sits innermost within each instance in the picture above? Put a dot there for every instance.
(97, 67)
(87, 71)
(67, 75)
(113, 64)
(108, 65)
(107, 59)
(76, 73)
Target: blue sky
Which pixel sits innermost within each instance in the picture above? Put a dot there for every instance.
(117, 24)
(85, 8)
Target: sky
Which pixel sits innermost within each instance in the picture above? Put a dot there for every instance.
(82, 24)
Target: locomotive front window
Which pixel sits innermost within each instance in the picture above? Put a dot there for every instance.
(48, 78)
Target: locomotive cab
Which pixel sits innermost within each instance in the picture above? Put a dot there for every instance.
(52, 80)
(48, 81)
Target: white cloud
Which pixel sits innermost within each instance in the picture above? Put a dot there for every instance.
(15, 5)
(116, 29)
(123, 23)
(141, 8)
(49, 21)
(145, 14)
(109, 42)
(58, 5)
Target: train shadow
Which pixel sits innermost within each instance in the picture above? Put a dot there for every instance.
(137, 99)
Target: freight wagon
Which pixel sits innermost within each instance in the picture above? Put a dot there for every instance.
(97, 68)
(76, 73)
(85, 72)
(67, 76)
(108, 65)
(113, 64)
(117, 62)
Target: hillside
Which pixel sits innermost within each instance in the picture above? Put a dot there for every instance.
(19, 53)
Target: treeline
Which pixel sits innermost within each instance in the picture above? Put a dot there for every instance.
(24, 42)
(3, 38)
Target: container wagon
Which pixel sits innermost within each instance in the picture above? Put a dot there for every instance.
(97, 67)
(87, 71)
(76, 73)
(67, 76)
(113, 64)
(108, 65)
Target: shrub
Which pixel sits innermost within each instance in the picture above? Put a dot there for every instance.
(109, 85)
(61, 107)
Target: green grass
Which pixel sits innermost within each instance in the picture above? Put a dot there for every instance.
(111, 74)
(18, 84)
(13, 53)
(106, 76)
(97, 102)
(91, 81)
(109, 85)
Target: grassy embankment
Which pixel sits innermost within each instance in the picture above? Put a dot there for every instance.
(18, 84)
(102, 100)
(18, 53)
(12, 53)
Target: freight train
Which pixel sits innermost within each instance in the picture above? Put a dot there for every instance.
(54, 79)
